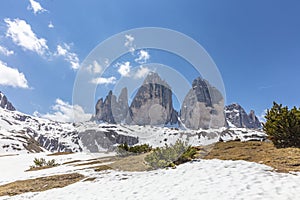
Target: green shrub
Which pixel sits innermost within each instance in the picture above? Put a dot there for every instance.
(172, 155)
(41, 162)
(283, 126)
(125, 150)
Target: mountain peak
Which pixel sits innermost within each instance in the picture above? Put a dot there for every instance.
(237, 116)
(154, 78)
(5, 104)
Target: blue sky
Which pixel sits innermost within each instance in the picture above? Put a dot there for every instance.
(255, 44)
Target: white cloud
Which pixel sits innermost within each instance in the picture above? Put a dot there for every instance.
(143, 57)
(129, 39)
(36, 7)
(11, 76)
(72, 58)
(22, 35)
(50, 25)
(101, 80)
(94, 68)
(124, 69)
(141, 72)
(5, 51)
(64, 112)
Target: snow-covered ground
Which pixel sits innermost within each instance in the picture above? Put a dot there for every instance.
(201, 179)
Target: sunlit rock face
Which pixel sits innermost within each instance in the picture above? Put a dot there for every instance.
(152, 105)
(112, 110)
(203, 107)
(237, 117)
(5, 104)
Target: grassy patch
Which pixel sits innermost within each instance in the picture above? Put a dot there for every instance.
(39, 184)
(102, 168)
(131, 163)
(60, 153)
(98, 161)
(283, 159)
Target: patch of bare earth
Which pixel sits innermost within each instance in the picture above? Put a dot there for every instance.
(131, 163)
(38, 168)
(282, 160)
(59, 153)
(39, 184)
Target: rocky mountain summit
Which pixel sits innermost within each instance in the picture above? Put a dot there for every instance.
(4, 103)
(237, 117)
(113, 110)
(203, 106)
(152, 105)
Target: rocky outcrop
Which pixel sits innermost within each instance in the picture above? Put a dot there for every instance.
(152, 105)
(95, 141)
(203, 106)
(236, 116)
(4, 103)
(112, 110)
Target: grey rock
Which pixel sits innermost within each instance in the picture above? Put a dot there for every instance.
(112, 110)
(152, 105)
(4, 103)
(96, 141)
(237, 116)
(203, 106)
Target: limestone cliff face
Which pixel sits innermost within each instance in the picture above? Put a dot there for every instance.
(152, 105)
(112, 110)
(236, 116)
(203, 107)
(5, 104)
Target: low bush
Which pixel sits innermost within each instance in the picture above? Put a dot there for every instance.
(172, 155)
(125, 150)
(41, 162)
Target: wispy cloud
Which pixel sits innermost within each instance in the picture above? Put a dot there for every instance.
(141, 72)
(104, 81)
(5, 51)
(94, 68)
(265, 87)
(50, 25)
(124, 69)
(143, 57)
(11, 77)
(64, 51)
(129, 39)
(64, 112)
(22, 35)
(35, 7)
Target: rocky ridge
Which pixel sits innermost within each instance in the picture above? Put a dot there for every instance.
(236, 116)
(5, 104)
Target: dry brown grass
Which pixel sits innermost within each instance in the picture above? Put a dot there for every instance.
(131, 163)
(38, 168)
(39, 184)
(8, 155)
(98, 161)
(59, 153)
(101, 168)
(282, 160)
